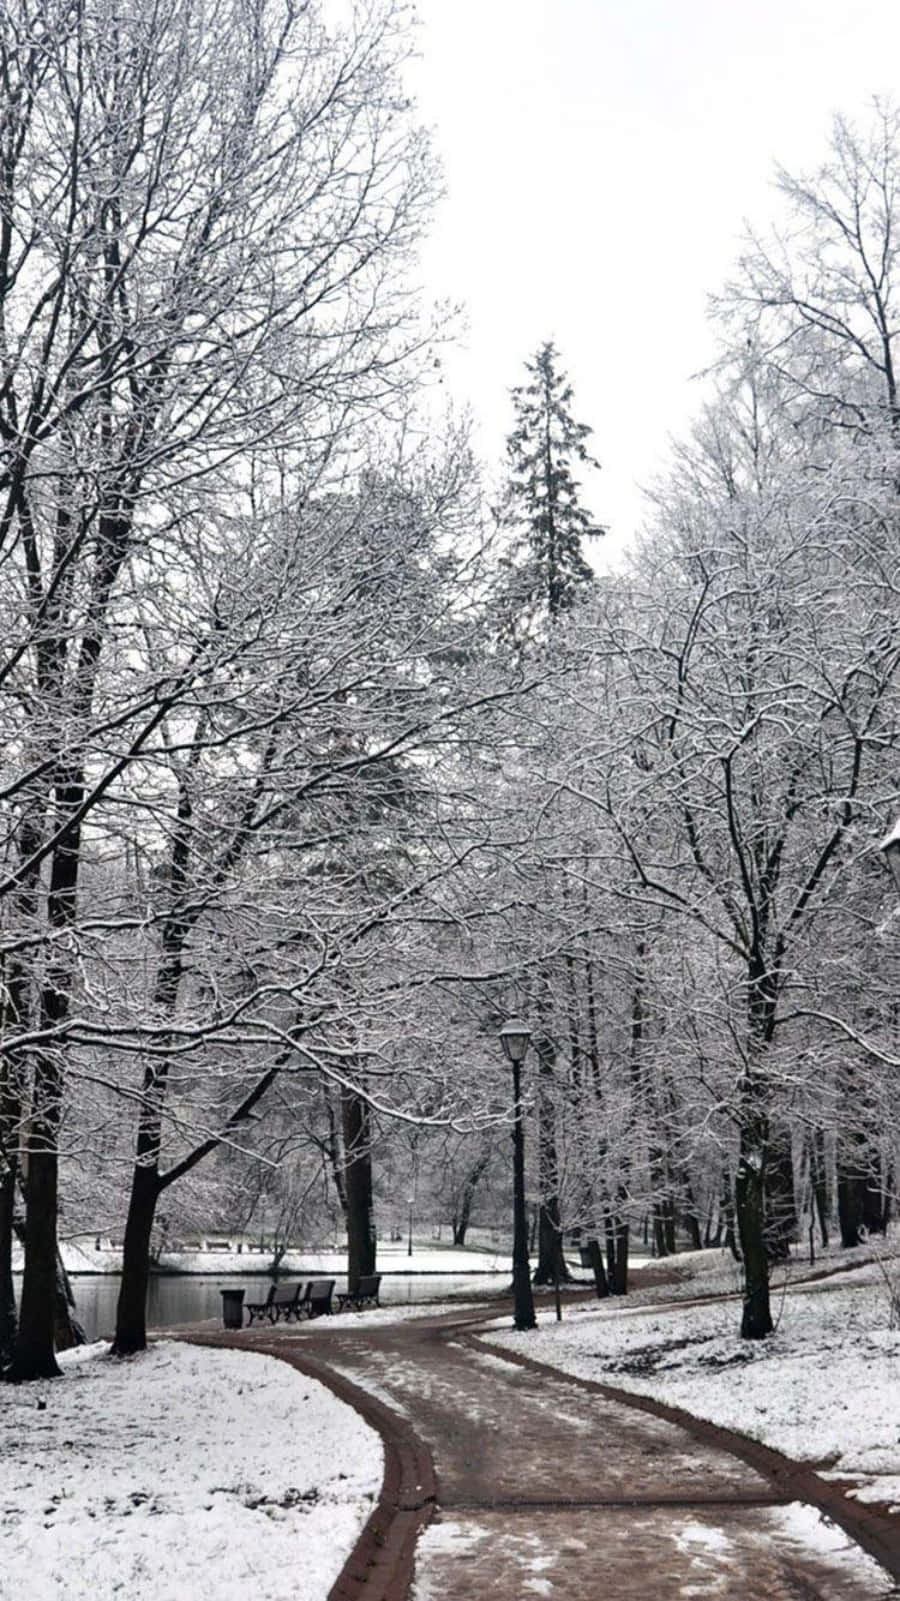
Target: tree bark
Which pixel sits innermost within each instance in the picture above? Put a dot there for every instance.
(34, 1353)
(750, 1182)
(728, 1211)
(690, 1219)
(756, 1319)
(67, 1329)
(875, 1198)
(551, 1263)
(818, 1180)
(664, 1226)
(361, 1245)
(601, 1283)
(336, 1152)
(617, 1241)
(131, 1311)
(781, 1211)
(463, 1213)
(853, 1169)
(8, 1175)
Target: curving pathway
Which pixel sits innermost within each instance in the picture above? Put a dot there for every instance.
(508, 1480)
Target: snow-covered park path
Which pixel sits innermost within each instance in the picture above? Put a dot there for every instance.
(546, 1486)
(514, 1465)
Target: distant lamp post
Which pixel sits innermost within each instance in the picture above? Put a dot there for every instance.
(891, 847)
(409, 1233)
(515, 1037)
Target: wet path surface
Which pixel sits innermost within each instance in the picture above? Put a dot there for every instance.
(547, 1488)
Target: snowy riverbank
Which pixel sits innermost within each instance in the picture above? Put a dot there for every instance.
(86, 1255)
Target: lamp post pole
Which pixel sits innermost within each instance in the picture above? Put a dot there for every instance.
(409, 1234)
(514, 1038)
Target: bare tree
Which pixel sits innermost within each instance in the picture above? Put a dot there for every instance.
(203, 226)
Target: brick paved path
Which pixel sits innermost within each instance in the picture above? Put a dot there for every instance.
(548, 1488)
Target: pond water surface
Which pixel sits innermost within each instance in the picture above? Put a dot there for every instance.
(194, 1298)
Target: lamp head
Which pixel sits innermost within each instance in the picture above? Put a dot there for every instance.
(515, 1037)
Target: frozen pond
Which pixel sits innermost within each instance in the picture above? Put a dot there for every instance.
(195, 1297)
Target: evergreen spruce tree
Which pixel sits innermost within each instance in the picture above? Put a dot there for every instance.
(546, 571)
(547, 563)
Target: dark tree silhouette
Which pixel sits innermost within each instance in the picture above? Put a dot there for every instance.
(547, 562)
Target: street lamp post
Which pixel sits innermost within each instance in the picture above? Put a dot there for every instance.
(515, 1037)
(409, 1234)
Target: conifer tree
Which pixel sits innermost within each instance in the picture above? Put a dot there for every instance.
(547, 571)
(548, 563)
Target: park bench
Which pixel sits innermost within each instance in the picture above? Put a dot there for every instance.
(291, 1303)
(261, 1309)
(366, 1293)
(317, 1300)
(286, 1301)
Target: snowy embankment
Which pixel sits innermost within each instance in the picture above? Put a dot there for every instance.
(182, 1472)
(822, 1389)
(84, 1256)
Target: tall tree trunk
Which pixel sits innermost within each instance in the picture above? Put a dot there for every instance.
(690, 1218)
(889, 1182)
(664, 1226)
(182, 912)
(781, 1210)
(16, 1014)
(463, 1211)
(750, 1182)
(361, 1248)
(337, 1162)
(875, 1197)
(67, 1329)
(10, 1113)
(852, 1156)
(728, 1214)
(131, 1311)
(818, 1180)
(601, 1283)
(617, 1237)
(551, 1265)
(146, 1187)
(34, 1352)
(756, 1320)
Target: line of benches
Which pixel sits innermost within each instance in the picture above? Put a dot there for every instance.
(314, 1299)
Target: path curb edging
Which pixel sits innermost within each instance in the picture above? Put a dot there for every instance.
(877, 1531)
(380, 1566)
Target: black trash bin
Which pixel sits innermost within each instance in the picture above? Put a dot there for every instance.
(232, 1308)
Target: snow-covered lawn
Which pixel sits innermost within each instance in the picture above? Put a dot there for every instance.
(824, 1388)
(184, 1474)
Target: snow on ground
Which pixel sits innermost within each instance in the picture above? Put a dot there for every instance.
(823, 1388)
(462, 1539)
(377, 1315)
(711, 1555)
(185, 1474)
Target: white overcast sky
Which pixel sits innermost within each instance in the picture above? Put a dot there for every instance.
(601, 157)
